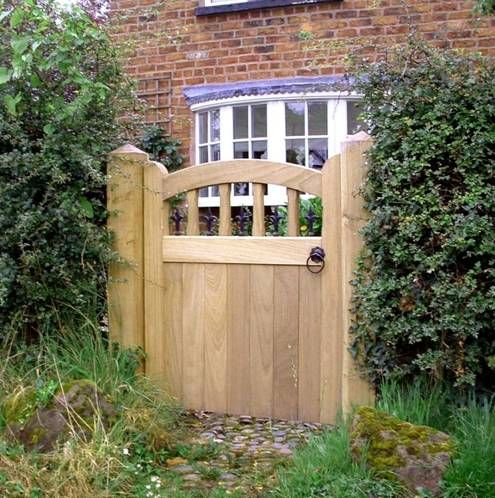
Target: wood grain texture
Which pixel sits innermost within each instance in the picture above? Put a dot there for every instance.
(238, 340)
(126, 282)
(239, 250)
(225, 225)
(192, 212)
(172, 354)
(193, 329)
(355, 390)
(258, 210)
(215, 326)
(154, 337)
(309, 345)
(331, 323)
(261, 340)
(285, 342)
(293, 213)
(243, 170)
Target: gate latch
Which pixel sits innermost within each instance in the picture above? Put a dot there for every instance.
(316, 256)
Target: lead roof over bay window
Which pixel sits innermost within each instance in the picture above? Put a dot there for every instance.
(207, 7)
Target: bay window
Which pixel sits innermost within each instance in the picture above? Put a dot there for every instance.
(301, 129)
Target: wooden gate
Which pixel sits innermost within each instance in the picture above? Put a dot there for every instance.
(239, 324)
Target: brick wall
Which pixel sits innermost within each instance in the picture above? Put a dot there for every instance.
(165, 39)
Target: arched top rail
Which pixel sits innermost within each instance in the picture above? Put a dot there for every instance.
(243, 170)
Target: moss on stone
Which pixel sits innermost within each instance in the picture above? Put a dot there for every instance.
(20, 406)
(385, 434)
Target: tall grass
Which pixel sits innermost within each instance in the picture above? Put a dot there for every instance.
(148, 421)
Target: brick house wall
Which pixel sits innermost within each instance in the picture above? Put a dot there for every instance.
(169, 46)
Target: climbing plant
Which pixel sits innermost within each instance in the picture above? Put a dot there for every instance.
(425, 285)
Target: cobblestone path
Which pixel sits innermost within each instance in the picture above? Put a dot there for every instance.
(237, 454)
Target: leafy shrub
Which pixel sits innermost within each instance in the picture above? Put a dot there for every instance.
(61, 91)
(425, 284)
(162, 147)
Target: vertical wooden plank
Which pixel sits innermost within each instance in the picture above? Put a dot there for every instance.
(261, 340)
(125, 205)
(225, 227)
(193, 320)
(355, 390)
(293, 212)
(258, 210)
(166, 218)
(215, 327)
(331, 309)
(310, 311)
(172, 354)
(238, 342)
(154, 341)
(192, 212)
(285, 342)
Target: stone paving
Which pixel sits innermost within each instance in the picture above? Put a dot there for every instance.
(240, 453)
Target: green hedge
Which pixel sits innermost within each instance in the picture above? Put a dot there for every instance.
(61, 92)
(425, 285)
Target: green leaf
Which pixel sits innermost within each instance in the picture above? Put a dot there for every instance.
(11, 103)
(20, 44)
(16, 18)
(5, 75)
(86, 207)
(49, 129)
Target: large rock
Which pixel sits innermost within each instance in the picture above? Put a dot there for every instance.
(73, 411)
(416, 455)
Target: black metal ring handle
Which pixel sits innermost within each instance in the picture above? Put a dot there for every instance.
(316, 255)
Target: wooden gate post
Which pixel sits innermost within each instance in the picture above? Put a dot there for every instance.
(134, 200)
(355, 389)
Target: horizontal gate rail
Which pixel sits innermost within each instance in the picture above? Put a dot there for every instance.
(240, 250)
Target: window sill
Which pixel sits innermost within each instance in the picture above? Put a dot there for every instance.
(257, 4)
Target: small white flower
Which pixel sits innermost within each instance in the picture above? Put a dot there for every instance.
(154, 478)
(139, 466)
(148, 486)
(126, 451)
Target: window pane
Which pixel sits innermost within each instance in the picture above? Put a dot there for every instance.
(203, 127)
(241, 122)
(317, 118)
(258, 149)
(295, 152)
(215, 126)
(203, 154)
(241, 188)
(294, 119)
(215, 191)
(317, 152)
(258, 118)
(354, 124)
(241, 150)
(215, 152)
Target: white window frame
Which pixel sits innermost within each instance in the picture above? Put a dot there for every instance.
(212, 3)
(276, 194)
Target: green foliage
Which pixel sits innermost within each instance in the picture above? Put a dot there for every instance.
(162, 148)
(312, 204)
(485, 6)
(61, 92)
(325, 468)
(424, 292)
